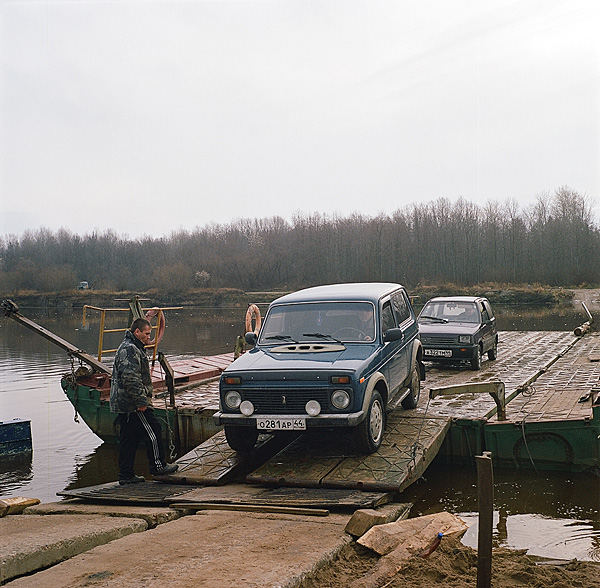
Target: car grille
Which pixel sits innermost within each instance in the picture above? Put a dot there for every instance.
(437, 340)
(285, 400)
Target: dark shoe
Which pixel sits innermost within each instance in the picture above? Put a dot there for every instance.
(169, 468)
(131, 480)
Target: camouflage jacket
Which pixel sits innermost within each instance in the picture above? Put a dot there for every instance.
(131, 385)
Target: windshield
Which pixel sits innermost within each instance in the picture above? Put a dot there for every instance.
(448, 311)
(319, 321)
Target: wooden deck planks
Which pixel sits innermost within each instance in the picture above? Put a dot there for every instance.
(555, 394)
(522, 357)
(192, 369)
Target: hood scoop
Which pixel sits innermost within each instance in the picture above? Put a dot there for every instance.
(308, 348)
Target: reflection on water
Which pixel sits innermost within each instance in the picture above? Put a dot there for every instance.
(552, 514)
(539, 535)
(558, 318)
(15, 471)
(555, 515)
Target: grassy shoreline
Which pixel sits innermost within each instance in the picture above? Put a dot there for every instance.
(230, 297)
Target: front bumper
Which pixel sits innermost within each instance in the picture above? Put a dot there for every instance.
(458, 352)
(323, 420)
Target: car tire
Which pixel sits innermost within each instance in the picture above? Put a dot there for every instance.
(476, 361)
(412, 399)
(370, 432)
(493, 352)
(242, 439)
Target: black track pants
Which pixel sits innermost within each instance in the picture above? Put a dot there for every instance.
(134, 427)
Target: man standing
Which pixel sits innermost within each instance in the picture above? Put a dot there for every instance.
(131, 398)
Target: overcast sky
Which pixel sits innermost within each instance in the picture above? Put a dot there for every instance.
(147, 117)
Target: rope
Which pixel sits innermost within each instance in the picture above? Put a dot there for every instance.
(171, 444)
(528, 391)
(172, 452)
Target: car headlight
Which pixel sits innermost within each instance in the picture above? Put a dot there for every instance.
(313, 408)
(247, 408)
(465, 339)
(340, 399)
(233, 399)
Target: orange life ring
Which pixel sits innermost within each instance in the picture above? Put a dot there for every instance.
(160, 327)
(253, 312)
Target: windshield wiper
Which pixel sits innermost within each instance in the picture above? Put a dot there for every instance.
(434, 318)
(282, 338)
(322, 336)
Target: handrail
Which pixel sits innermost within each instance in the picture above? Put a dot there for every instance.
(104, 330)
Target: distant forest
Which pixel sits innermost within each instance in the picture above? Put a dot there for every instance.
(555, 241)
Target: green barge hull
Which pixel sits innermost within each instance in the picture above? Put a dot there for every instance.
(188, 423)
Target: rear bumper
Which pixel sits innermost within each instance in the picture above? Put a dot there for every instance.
(323, 420)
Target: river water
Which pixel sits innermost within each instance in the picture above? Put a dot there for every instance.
(552, 514)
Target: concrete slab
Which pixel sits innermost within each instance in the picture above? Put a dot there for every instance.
(153, 515)
(30, 543)
(212, 550)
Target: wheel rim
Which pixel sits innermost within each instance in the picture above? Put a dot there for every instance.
(376, 421)
(416, 383)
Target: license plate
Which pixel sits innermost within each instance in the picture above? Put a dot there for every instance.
(439, 352)
(279, 424)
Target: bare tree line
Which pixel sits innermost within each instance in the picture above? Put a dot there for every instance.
(555, 241)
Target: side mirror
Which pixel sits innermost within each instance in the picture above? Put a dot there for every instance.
(395, 334)
(251, 338)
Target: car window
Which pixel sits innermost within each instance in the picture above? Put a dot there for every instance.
(488, 308)
(400, 304)
(484, 313)
(451, 311)
(387, 317)
(318, 321)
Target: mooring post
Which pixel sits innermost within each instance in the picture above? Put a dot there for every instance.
(485, 496)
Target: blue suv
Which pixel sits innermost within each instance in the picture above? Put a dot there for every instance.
(330, 356)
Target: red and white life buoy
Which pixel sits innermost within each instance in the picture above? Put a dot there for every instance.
(160, 327)
(253, 312)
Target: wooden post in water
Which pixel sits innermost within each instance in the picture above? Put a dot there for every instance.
(485, 496)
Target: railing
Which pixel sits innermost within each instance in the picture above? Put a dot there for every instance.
(103, 329)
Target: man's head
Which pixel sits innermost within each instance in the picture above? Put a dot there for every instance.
(141, 330)
(365, 315)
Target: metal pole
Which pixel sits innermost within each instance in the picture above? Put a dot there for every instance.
(101, 336)
(485, 496)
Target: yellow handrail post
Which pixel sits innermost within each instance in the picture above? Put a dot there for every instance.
(100, 340)
(103, 330)
(155, 346)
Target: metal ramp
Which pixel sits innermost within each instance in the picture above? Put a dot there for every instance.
(149, 493)
(214, 463)
(320, 459)
(329, 498)
(237, 495)
(409, 445)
